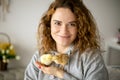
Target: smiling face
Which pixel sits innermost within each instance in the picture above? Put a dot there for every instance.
(63, 27)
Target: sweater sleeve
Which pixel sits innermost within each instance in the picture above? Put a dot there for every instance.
(31, 72)
(67, 76)
(94, 67)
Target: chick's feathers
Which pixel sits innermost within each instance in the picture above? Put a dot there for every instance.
(45, 59)
(60, 59)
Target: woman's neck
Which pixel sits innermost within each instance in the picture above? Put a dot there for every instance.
(62, 49)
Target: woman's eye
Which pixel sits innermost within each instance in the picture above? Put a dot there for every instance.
(57, 23)
(72, 24)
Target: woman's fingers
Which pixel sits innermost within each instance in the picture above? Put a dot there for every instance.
(38, 64)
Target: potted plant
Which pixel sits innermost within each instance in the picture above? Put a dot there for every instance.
(7, 52)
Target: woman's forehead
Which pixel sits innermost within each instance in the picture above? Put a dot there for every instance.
(63, 14)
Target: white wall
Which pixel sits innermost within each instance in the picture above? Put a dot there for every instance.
(107, 15)
(22, 21)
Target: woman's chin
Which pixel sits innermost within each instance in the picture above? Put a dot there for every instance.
(64, 43)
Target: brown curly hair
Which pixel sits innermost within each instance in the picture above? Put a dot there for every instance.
(87, 36)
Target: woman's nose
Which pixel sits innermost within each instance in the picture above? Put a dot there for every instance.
(64, 29)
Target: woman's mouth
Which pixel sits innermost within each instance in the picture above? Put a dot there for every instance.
(62, 36)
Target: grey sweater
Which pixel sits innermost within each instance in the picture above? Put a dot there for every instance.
(87, 66)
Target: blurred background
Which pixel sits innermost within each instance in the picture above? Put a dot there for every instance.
(21, 23)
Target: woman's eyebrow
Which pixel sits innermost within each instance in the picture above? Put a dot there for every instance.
(72, 22)
(57, 20)
(68, 22)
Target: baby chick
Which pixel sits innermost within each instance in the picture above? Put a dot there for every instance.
(61, 59)
(45, 59)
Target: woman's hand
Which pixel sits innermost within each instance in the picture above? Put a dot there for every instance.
(51, 70)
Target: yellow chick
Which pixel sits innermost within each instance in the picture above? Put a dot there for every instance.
(45, 59)
(61, 59)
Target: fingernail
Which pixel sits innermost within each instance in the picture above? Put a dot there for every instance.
(39, 66)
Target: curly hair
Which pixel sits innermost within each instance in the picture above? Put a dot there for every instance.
(87, 35)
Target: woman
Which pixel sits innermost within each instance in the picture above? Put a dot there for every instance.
(68, 28)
